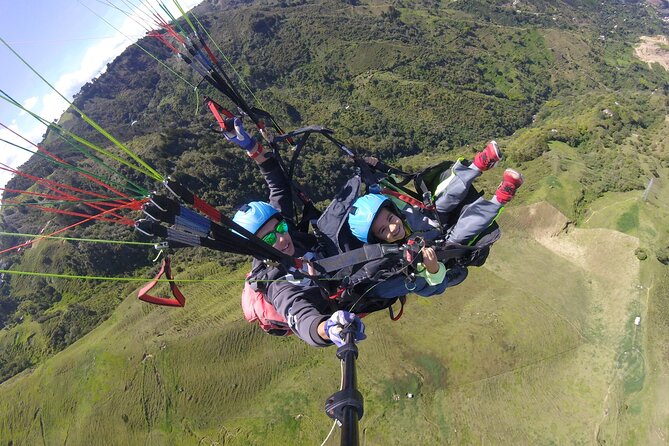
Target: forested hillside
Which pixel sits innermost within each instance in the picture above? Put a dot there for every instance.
(555, 82)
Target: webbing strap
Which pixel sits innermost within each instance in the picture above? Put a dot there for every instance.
(190, 198)
(407, 199)
(216, 110)
(242, 238)
(403, 300)
(207, 209)
(177, 299)
(356, 256)
(450, 250)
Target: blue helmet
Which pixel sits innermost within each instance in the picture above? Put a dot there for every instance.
(253, 215)
(362, 215)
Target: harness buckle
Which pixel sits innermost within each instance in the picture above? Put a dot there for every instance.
(427, 198)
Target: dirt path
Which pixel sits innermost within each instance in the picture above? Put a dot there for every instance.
(617, 203)
(654, 49)
(605, 410)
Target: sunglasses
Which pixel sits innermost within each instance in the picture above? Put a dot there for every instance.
(270, 237)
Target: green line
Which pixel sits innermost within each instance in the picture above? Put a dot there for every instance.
(111, 279)
(74, 239)
(93, 200)
(155, 175)
(98, 149)
(173, 19)
(152, 173)
(79, 139)
(220, 51)
(70, 166)
(129, 279)
(185, 16)
(128, 186)
(170, 69)
(146, 51)
(59, 131)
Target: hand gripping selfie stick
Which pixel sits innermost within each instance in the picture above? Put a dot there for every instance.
(346, 405)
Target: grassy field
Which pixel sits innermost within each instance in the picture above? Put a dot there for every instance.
(538, 346)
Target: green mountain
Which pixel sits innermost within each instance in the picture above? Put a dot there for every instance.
(538, 346)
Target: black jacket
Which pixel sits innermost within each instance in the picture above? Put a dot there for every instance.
(301, 303)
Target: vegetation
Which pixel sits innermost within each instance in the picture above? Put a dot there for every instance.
(413, 82)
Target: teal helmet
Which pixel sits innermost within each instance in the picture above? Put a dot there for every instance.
(253, 215)
(362, 215)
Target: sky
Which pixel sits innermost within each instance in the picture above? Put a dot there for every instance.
(68, 45)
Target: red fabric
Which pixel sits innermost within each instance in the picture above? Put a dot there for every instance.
(206, 209)
(178, 299)
(256, 308)
(407, 199)
(257, 152)
(216, 110)
(338, 294)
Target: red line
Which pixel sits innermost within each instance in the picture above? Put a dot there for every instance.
(25, 192)
(60, 160)
(59, 198)
(54, 185)
(120, 219)
(30, 242)
(162, 38)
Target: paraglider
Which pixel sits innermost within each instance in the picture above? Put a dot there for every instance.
(319, 289)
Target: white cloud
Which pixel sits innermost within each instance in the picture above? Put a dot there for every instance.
(12, 156)
(95, 59)
(93, 63)
(29, 103)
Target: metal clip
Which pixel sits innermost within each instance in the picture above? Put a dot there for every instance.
(271, 263)
(427, 199)
(409, 280)
(138, 227)
(167, 182)
(163, 250)
(161, 245)
(148, 214)
(154, 198)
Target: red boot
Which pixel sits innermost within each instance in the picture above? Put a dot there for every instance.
(488, 157)
(511, 181)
